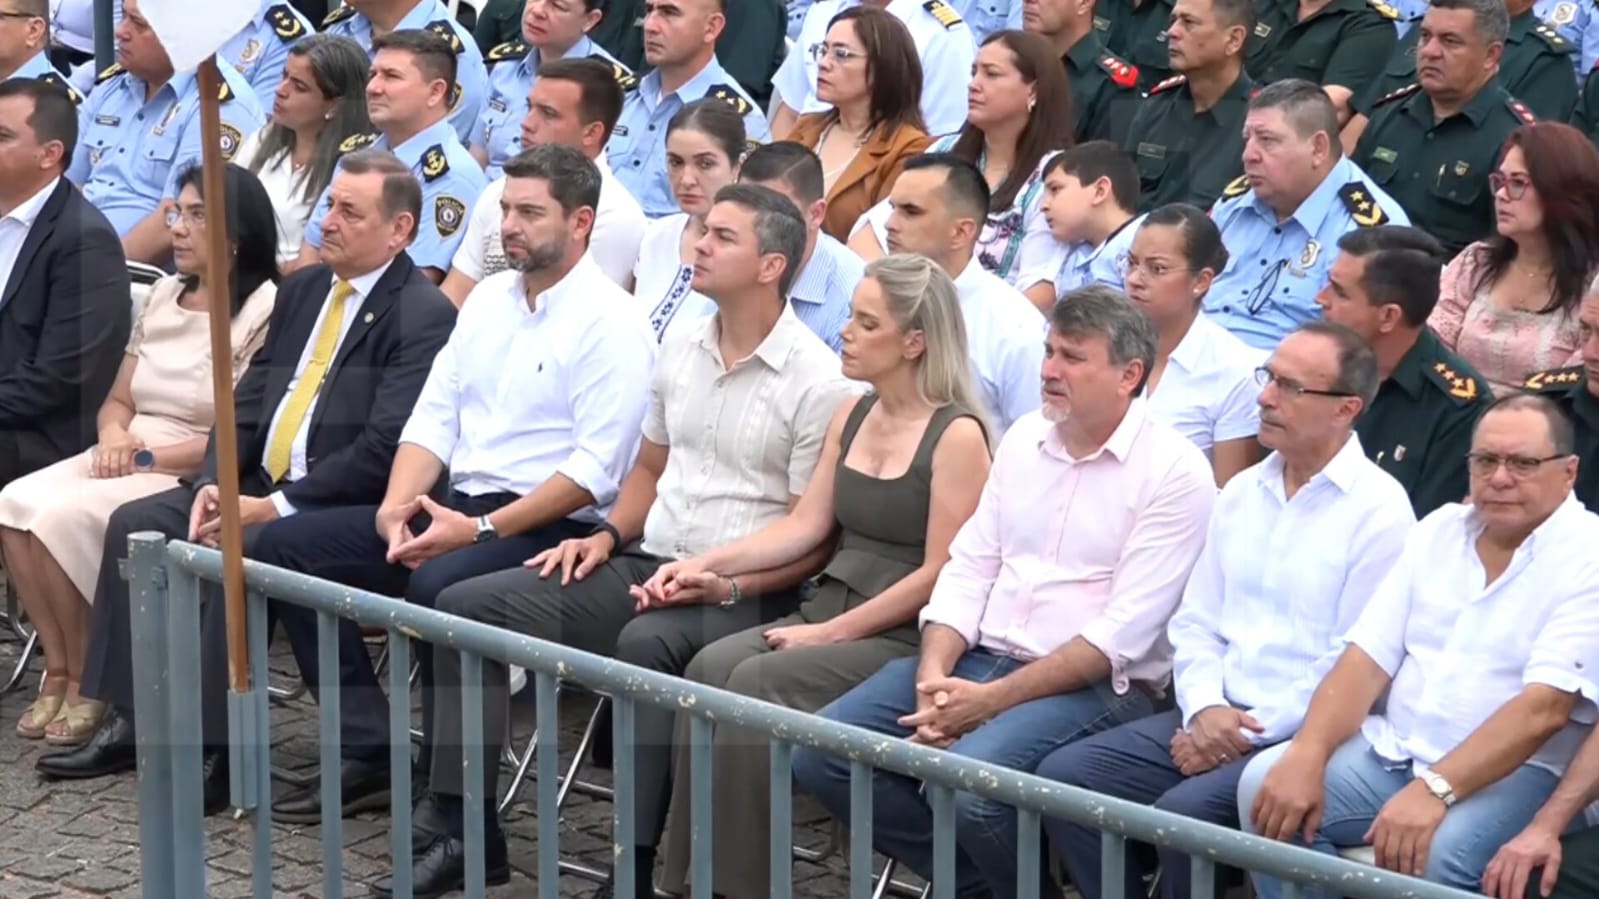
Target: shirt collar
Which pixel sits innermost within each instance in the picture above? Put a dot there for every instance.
(1312, 211)
(420, 15)
(1085, 53)
(1119, 445)
(1124, 228)
(584, 47)
(27, 212)
(411, 151)
(566, 291)
(364, 284)
(1342, 470)
(1569, 507)
(1420, 105)
(774, 350)
(694, 88)
(1191, 350)
(1410, 374)
(37, 66)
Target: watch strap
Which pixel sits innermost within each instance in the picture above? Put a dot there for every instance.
(605, 527)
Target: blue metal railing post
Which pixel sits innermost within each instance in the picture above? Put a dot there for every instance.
(152, 695)
(473, 801)
(548, 748)
(183, 661)
(330, 699)
(105, 39)
(400, 760)
(261, 756)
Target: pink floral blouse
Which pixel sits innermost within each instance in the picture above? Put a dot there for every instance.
(1505, 346)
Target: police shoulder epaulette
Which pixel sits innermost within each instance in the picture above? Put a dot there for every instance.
(943, 13)
(226, 92)
(1384, 10)
(1555, 380)
(1550, 36)
(435, 164)
(338, 15)
(509, 50)
(108, 73)
(751, 145)
(1362, 206)
(456, 93)
(442, 29)
(1521, 111)
(1122, 73)
(729, 94)
(1403, 92)
(285, 24)
(625, 79)
(1460, 385)
(1236, 187)
(1168, 84)
(358, 142)
(55, 80)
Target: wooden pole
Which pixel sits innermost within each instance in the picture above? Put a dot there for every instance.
(220, 254)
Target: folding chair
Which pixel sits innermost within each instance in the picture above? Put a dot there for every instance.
(28, 636)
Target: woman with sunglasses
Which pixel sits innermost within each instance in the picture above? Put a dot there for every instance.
(1203, 381)
(1508, 304)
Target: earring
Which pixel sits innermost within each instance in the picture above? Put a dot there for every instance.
(1031, 102)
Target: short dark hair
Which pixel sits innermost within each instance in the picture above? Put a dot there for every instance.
(1305, 105)
(252, 227)
(1090, 161)
(893, 67)
(716, 119)
(1102, 310)
(574, 179)
(599, 96)
(1357, 363)
(791, 163)
(1493, 19)
(1402, 267)
(1562, 434)
(1235, 13)
(36, 8)
(779, 227)
(965, 188)
(402, 193)
(1202, 242)
(433, 55)
(54, 117)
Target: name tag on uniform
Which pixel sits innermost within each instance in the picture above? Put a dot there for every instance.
(1383, 154)
(496, 104)
(619, 131)
(111, 120)
(1153, 151)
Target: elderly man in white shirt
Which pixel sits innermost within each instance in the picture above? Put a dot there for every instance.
(1295, 547)
(574, 102)
(940, 202)
(1484, 638)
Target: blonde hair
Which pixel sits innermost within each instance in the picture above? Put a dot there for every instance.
(921, 297)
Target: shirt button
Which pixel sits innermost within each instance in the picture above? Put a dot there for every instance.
(637, 163)
(1262, 262)
(1227, 309)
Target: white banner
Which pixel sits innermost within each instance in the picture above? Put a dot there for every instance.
(192, 31)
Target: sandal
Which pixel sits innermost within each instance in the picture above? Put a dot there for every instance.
(76, 722)
(39, 715)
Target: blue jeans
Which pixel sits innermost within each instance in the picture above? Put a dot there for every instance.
(985, 830)
(1359, 783)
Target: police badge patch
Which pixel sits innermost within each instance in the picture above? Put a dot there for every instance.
(448, 213)
(230, 141)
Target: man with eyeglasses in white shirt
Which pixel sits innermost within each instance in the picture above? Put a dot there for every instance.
(1484, 638)
(1295, 546)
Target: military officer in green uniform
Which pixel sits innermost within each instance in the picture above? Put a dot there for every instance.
(1104, 86)
(1188, 135)
(1383, 285)
(1586, 116)
(498, 21)
(750, 47)
(1433, 144)
(1340, 45)
(1135, 30)
(1576, 390)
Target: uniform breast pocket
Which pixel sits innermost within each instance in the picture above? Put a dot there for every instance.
(100, 140)
(156, 158)
(1153, 160)
(1304, 61)
(1382, 166)
(1460, 183)
(495, 114)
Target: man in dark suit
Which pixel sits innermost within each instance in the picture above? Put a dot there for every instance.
(64, 309)
(320, 410)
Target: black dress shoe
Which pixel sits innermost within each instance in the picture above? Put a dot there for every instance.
(363, 786)
(428, 822)
(442, 869)
(214, 768)
(109, 750)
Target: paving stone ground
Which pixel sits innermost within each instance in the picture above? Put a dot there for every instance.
(81, 839)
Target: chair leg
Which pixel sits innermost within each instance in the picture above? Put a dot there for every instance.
(23, 658)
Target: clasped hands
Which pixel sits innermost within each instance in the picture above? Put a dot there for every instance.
(447, 530)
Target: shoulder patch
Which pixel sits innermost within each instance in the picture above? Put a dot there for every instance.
(338, 15)
(729, 94)
(1122, 74)
(442, 29)
(357, 142)
(625, 79)
(55, 80)
(1384, 10)
(108, 73)
(1550, 36)
(1555, 380)
(1563, 14)
(509, 50)
(285, 24)
(1168, 84)
(1462, 387)
(435, 164)
(1403, 92)
(1521, 111)
(230, 138)
(944, 13)
(1363, 208)
(1236, 187)
(448, 214)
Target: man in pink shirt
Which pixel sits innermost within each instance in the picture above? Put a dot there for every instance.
(1048, 622)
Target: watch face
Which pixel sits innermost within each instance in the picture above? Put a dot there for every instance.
(144, 459)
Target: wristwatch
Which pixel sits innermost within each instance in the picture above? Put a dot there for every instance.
(144, 460)
(734, 594)
(485, 530)
(605, 527)
(1438, 786)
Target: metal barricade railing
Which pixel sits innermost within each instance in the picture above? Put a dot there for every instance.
(165, 581)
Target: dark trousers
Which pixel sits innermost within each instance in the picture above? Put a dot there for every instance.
(1579, 868)
(342, 545)
(1134, 762)
(596, 615)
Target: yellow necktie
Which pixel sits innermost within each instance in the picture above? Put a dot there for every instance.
(305, 390)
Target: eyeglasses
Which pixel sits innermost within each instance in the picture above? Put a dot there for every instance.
(1265, 377)
(195, 218)
(1260, 297)
(1485, 465)
(1514, 186)
(840, 53)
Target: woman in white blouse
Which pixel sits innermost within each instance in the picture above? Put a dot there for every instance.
(1203, 382)
(1015, 123)
(319, 104)
(704, 143)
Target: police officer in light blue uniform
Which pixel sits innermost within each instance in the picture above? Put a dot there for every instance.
(38, 66)
(134, 142)
(471, 77)
(260, 49)
(512, 68)
(1578, 22)
(1106, 263)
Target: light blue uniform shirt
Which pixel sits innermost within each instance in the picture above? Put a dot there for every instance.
(131, 150)
(1578, 22)
(447, 195)
(1274, 271)
(637, 148)
(39, 68)
(1410, 13)
(260, 50)
(821, 294)
(1087, 264)
(512, 69)
(471, 78)
(988, 16)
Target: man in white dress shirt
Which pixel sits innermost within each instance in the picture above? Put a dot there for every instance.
(1484, 638)
(574, 102)
(940, 202)
(1296, 545)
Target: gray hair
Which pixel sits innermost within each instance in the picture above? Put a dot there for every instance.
(1357, 363)
(1562, 435)
(1306, 106)
(921, 297)
(1105, 311)
(779, 227)
(1493, 20)
(573, 178)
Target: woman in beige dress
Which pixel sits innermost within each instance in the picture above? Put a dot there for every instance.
(153, 429)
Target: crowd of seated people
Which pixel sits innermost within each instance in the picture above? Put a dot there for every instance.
(1139, 396)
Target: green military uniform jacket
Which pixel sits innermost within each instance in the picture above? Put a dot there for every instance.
(1586, 116)
(1569, 388)
(1437, 170)
(1184, 156)
(1104, 91)
(499, 22)
(1137, 34)
(750, 48)
(1535, 69)
(1346, 43)
(1419, 427)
